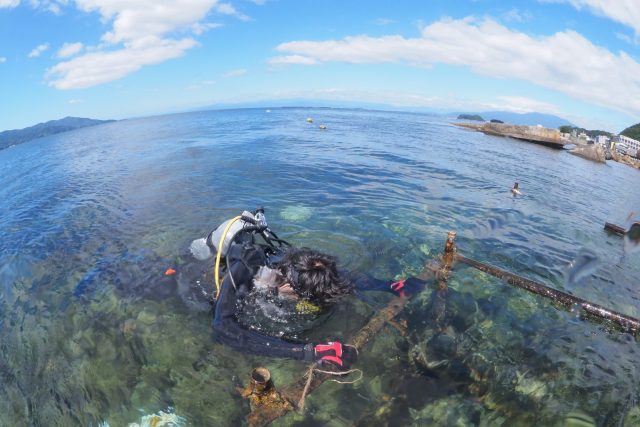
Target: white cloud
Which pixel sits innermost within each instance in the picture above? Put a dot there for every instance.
(75, 101)
(228, 9)
(628, 39)
(259, 2)
(520, 104)
(235, 73)
(132, 20)
(292, 60)
(199, 28)
(3, 59)
(384, 21)
(69, 49)
(101, 67)
(9, 3)
(566, 61)
(38, 50)
(411, 100)
(201, 85)
(626, 12)
(140, 35)
(624, 37)
(514, 15)
(53, 6)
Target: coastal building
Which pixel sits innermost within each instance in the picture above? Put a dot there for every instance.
(630, 143)
(603, 140)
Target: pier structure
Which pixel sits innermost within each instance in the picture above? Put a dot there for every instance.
(536, 134)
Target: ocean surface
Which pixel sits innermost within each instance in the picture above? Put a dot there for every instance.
(92, 332)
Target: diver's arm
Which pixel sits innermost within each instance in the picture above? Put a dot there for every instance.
(365, 282)
(229, 332)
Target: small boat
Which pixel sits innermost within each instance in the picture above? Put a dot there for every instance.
(309, 120)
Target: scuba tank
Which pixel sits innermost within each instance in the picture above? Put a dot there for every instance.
(225, 233)
(219, 240)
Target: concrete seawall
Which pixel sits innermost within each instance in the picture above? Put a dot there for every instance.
(535, 134)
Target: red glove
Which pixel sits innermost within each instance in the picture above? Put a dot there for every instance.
(407, 287)
(398, 288)
(336, 353)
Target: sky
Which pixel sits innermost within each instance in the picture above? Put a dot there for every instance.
(115, 59)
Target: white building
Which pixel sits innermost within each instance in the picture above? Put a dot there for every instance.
(630, 143)
(602, 140)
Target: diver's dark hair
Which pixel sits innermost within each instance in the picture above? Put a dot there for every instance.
(314, 275)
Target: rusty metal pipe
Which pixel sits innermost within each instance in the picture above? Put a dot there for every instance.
(261, 379)
(615, 229)
(627, 323)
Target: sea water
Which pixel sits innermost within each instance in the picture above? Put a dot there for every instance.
(93, 332)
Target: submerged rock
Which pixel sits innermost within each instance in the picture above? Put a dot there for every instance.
(594, 152)
(451, 411)
(297, 213)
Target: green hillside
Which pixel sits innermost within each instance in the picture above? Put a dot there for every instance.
(632, 132)
(18, 136)
(591, 133)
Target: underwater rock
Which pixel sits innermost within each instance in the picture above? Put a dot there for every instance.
(296, 213)
(530, 386)
(424, 248)
(633, 417)
(579, 419)
(464, 311)
(443, 346)
(451, 411)
(434, 355)
(161, 419)
(147, 318)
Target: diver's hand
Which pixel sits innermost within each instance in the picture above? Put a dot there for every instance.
(407, 287)
(336, 353)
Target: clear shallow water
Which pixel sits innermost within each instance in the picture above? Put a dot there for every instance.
(91, 330)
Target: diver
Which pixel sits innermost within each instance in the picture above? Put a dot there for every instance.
(257, 261)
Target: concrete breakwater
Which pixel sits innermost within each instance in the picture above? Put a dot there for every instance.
(535, 134)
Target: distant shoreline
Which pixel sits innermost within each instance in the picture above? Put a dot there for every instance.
(10, 138)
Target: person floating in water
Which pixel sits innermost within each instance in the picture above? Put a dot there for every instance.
(274, 268)
(516, 190)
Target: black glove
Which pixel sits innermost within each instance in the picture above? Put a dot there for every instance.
(407, 287)
(336, 353)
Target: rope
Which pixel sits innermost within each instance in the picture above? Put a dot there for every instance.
(313, 368)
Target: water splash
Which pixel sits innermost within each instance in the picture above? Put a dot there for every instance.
(582, 266)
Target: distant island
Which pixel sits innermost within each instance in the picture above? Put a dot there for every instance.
(475, 117)
(632, 132)
(19, 136)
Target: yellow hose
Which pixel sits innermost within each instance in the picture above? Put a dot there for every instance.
(219, 254)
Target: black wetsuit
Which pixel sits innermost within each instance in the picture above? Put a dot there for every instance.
(244, 261)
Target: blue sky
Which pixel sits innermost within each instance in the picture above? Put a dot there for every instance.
(579, 59)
